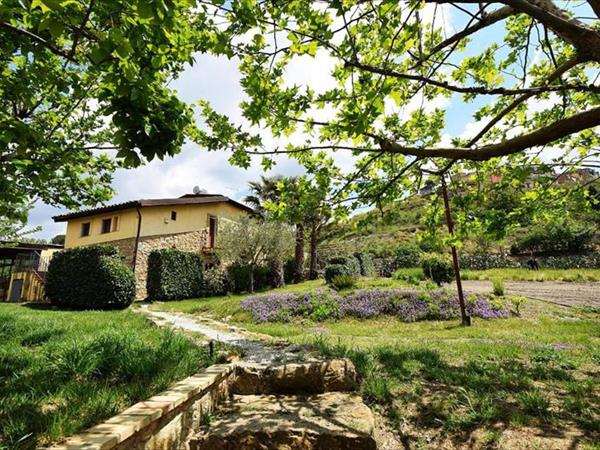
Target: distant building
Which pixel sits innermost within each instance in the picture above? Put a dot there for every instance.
(137, 227)
(23, 270)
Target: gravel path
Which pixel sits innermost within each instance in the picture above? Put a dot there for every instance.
(561, 293)
(255, 351)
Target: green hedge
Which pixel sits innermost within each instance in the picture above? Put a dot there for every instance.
(174, 275)
(90, 278)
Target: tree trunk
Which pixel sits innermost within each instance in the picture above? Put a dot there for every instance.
(251, 275)
(314, 242)
(299, 254)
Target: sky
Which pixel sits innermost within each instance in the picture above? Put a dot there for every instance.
(216, 79)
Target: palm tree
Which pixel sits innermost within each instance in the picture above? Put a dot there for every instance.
(267, 190)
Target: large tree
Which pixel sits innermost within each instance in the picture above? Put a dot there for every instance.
(83, 81)
(514, 78)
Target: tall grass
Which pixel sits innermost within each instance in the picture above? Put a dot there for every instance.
(63, 371)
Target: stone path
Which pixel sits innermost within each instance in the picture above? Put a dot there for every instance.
(561, 293)
(254, 351)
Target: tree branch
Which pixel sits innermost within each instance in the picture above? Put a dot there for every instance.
(542, 136)
(38, 39)
(472, 89)
(565, 67)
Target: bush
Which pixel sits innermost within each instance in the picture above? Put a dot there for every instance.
(350, 262)
(90, 278)
(367, 269)
(335, 270)
(555, 237)
(437, 268)
(238, 274)
(407, 255)
(343, 281)
(174, 275)
(215, 282)
(289, 270)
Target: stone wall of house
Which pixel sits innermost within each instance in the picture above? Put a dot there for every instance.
(126, 247)
(193, 241)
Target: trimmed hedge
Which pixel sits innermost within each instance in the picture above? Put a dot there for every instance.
(484, 261)
(91, 277)
(174, 275)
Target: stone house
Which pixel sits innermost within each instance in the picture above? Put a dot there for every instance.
(137, 227)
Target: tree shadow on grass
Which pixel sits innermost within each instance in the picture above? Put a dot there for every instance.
(420, 387)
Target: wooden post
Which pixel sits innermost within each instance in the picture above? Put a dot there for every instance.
(466, 319)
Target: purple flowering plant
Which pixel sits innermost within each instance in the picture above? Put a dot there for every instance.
(407, 305)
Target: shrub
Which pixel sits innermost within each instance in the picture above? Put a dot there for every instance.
(437, 268)
(343, 282)
(238, 274)
(174, 275)
(215, 282)
(367, 269)
(407, 255)
(335, 270)
(289, 270)
(556, 236)
(498, 287)
(90, 278)
(350, 262)
(517, 302)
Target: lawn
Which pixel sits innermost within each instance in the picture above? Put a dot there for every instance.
(62, 371)
(511, 274)
(435, 381)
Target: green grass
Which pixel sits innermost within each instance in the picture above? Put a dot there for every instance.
(438, 380)
(570, 275)
(63, 371)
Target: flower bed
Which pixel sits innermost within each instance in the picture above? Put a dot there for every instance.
(406, 305)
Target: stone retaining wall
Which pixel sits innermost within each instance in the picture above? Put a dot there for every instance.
(163, 422)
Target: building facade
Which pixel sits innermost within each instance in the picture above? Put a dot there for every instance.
(189, 223)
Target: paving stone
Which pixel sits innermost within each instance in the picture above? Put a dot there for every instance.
(330, 421)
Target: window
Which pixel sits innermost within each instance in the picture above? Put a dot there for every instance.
(85, 229)
(173, 215)
(212, 231)
(106, 226)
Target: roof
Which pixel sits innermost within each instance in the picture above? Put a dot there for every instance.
(188, 199)
(12, 249)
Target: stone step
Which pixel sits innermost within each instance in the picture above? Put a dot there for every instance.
(313, 377)
(330, 421)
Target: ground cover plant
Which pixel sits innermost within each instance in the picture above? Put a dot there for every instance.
(510, 274)
(440, 385)
(405, 305)
(63, 371)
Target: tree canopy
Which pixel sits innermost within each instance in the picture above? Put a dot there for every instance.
(83, 81)
(515, 78)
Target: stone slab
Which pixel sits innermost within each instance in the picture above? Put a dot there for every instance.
(330, 421)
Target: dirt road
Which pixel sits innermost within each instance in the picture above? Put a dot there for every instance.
(567, 294)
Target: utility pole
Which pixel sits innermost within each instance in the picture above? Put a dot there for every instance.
(466, 319)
